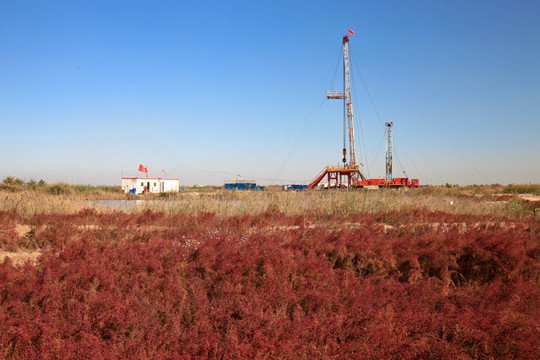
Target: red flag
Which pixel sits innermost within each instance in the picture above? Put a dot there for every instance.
(143, 168)
(350, 32)
(163, 171)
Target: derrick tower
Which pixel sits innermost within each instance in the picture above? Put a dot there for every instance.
(349, 174)
(348, 106)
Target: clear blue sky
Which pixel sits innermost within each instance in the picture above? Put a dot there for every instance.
(210, 89)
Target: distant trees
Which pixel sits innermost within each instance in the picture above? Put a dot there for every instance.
(14, 184)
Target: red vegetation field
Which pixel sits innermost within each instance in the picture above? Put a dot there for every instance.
(412, 285)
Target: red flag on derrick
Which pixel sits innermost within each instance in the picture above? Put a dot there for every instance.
(350, 32)
(143, 168)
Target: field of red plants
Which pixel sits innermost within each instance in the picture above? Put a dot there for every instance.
(408, 285)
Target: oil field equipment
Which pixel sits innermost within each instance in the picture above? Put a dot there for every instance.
(243, 185)
(350, 175)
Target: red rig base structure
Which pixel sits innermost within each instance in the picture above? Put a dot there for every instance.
(350, 176)
(339, 177)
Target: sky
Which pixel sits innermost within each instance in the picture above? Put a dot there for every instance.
(212, 91)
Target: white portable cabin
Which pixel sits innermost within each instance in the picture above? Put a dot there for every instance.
(153, 185)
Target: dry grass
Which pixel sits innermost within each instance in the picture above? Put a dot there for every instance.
(227, 203)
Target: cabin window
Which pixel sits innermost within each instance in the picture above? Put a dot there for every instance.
(142, 184)
(154, 184)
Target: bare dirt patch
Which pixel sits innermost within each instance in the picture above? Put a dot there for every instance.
(22, 230)
(19, 257)
(529, 197)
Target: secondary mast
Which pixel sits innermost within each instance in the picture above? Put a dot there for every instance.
(389, 150)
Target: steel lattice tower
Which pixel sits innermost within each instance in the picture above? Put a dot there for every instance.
(389, 150)
(346, 96)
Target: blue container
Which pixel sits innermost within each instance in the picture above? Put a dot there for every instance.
(242, 186)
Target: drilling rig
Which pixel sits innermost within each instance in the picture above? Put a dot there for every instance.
(350, 175)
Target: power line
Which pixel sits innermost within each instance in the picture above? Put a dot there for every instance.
(299, 139)
(427, 121)
(230, 173)
(286, 111)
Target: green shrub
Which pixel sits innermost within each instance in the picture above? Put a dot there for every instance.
(522, 189)
(59, 189)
